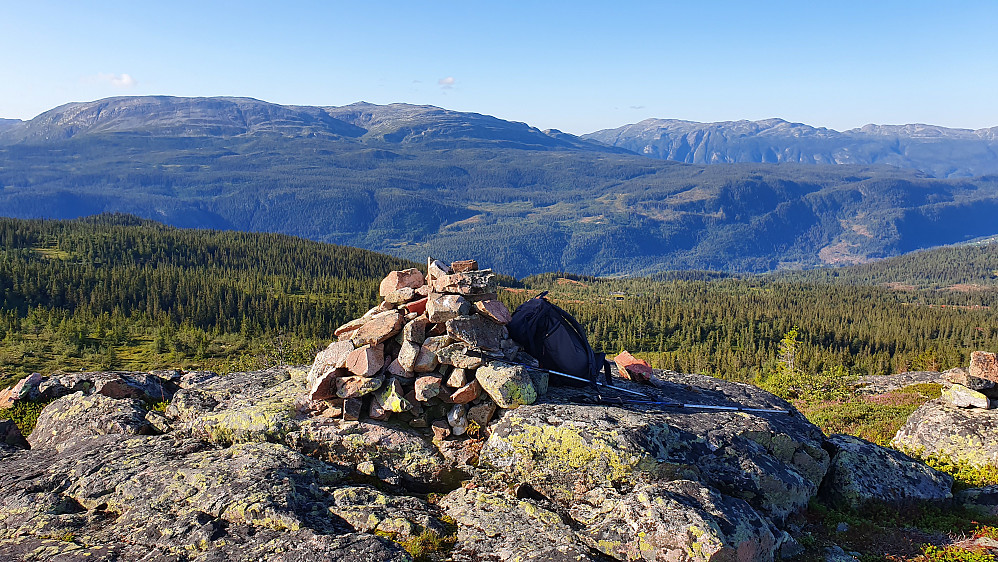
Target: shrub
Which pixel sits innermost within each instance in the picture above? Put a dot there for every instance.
(24, 415)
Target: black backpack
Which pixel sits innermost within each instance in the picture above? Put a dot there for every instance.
(557, 341)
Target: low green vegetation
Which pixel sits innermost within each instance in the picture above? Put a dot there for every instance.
(24, 415)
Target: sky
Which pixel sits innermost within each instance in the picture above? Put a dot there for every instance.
(578, 66)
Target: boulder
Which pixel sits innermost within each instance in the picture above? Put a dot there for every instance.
(497, 527)
(23, 389)
(508, 385)
(476, 331)
(10, 434)
(396, 280)
(961, 376)
(984, 365)
(938, 426)
(773, 461)
(981, 500)
(73, 418)
(861, 472)
(114, 384)
(115, 497)
(678, 520)
(378, 329)
(963, 397)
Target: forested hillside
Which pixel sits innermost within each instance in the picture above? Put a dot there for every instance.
(411, 181)
(120, 292)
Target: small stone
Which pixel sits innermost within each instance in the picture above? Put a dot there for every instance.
(366, 361)
(396, 369)
(377, 411)
(632, 368)
(366, 468)
(378, 329)
(333, 357)
(350, 326)
(436, 343)
(416, 306)
(426, 361)
(424, 291)
(400, 296)
(415, 330)
(355, 387)
(436, 269)
(441, 308)
(463, 266)
(494, 310)
(441, 430)
(427, 387)
(324, 386)
(398, 279)
(482, 413)
(458, 420)
(477, 332)
(458, 378)
(466, 393)
(963, 397)
(408, 354)
(436, 330)
(416, 409)
(467, 283)
(392, 397)
(984, 365)
(509, 386)
(461, 356)
(352, 409)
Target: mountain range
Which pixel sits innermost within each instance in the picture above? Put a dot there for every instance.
(414, 181)
(936, 151)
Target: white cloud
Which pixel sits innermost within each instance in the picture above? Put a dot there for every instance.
(118, 80)
(447, 83)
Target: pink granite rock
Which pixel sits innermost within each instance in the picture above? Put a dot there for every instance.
(494, 310)
(398, 279)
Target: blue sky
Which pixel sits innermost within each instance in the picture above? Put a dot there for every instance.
(577, 66)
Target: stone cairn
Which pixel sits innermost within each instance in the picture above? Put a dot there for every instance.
(976, 386)
(434, 354)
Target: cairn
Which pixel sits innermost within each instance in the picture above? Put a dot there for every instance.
(975, 386)
(434, 354)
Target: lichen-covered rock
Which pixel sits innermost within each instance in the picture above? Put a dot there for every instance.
(961, 376)
(773, 461)
(969, 435)
(963, 397)
(476, 331)
(495, 527)
(75, 417)
(982, 500)
(155, 498)
(370, 510)
(861, 472)
(678, 520)
(441, 308)
(460, 356)
(400, 456)
(239, 407)
(508, 385)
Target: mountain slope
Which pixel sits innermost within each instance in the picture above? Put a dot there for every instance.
(937, 151)
(414, 181)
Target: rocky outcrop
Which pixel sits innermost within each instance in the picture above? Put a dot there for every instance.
(862, 472)
(941, 427)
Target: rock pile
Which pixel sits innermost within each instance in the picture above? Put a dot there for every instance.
(963, 422)
(435, 354)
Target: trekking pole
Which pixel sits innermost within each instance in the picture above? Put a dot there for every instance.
(573, 377)
(697, 406)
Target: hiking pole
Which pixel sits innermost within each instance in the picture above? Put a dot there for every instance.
(573, 377)
(697, 406)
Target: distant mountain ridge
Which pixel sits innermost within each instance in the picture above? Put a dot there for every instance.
(233, 116)
(936, 151)
(414, 181)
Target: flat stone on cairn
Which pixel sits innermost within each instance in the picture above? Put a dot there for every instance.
(429, 354)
